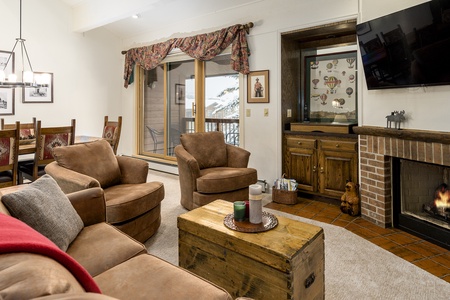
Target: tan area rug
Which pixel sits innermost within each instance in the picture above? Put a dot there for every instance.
(354, 267)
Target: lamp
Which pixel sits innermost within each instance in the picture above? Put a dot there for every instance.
(29, 79)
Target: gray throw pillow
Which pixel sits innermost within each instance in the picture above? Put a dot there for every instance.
(43, 206)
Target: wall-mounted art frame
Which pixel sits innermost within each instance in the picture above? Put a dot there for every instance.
(180, 94)
(7, 101)
(39, 95)
(258, 87)
(4, 56)
(330, 88)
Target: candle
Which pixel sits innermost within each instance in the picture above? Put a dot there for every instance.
(255, 197)
(239, 210)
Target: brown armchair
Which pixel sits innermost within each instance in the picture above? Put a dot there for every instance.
(133, 205)
(209, 169)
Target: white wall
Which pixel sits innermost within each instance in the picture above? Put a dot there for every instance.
(87, 68)
(262, 135)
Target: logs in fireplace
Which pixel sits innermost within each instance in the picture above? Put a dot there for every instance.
(439, 207)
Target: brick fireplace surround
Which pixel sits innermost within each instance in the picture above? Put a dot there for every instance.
(377, 146)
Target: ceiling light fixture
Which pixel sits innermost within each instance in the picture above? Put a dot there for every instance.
(29, 79)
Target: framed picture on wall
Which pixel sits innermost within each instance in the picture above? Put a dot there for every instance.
(7, 101)
(180, 93)
(258, 87)
(4, 56)
(39, 95)
(330, 87)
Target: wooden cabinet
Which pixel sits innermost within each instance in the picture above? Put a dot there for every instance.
(321, 164)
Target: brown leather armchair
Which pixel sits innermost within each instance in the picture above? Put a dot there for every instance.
(133, 205)
(209, 169)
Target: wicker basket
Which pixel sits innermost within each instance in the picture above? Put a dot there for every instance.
(283, 196)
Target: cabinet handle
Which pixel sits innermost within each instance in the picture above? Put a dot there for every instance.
(299, 143)
(321, 170)
(314, 169)
(337, 145)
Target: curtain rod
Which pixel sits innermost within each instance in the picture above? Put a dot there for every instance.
(245, 26)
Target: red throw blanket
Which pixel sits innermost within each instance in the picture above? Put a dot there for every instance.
(16, 236)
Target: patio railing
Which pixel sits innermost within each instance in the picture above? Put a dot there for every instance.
(229, 127)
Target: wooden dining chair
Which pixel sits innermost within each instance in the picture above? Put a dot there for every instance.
(27, 132)
(111, 132)
(46, 139)
(9, 155)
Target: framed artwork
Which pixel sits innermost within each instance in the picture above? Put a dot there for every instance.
(7, 101)
(258, 87)
(180, 93)
(38, 95)
(4, 55)
(330, 88)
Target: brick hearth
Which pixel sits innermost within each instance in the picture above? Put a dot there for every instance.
(377, 147)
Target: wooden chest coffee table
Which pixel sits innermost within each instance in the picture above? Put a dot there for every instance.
(286, 262)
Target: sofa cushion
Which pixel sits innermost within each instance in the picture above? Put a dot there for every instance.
(114, 248)
(220, 180)
(43, 206)
(208, 148)
(28, 275)
(98, 161)
(165, 281)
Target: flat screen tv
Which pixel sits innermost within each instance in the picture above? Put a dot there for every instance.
(408, 48)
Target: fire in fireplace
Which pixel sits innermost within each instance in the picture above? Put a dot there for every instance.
(421, 198)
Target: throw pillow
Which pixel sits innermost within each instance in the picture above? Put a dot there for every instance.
(43, 206)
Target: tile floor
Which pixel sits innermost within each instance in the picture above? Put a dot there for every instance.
(431, 258)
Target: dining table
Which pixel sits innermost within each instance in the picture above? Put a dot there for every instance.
(30, 147)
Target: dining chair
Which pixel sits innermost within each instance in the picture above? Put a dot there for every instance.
(111, 132)
(46, 139)
(9, 155)
(155, 134)
(27, 133)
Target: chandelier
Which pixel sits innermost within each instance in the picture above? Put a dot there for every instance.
(29, 79)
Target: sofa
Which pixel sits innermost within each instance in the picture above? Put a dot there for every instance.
(133, 205)
(209, 169)
(106, 258)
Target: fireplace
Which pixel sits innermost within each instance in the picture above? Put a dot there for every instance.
(384, 153)
(420, 204)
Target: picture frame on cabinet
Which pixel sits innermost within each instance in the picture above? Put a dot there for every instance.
(258, 87)
(39, 95)
(330, 88)
(7, 101)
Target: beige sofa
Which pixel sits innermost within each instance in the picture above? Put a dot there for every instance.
(120, 266)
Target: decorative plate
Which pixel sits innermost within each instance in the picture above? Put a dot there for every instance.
(269, 221)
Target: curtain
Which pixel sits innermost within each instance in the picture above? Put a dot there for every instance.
(203, 47)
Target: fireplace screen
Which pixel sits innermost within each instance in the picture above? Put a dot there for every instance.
(425, 192)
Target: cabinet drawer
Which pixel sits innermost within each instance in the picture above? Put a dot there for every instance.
(338, 145)
(301, 143)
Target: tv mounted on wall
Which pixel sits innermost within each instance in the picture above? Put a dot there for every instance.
(408, 48)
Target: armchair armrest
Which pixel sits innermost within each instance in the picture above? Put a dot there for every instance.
(90, 205)
(187, 163)
(237, 157)
(70, 181)
(133, 170)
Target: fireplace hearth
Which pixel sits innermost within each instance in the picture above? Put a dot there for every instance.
(383, 192)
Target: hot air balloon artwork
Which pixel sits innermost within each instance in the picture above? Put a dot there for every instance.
(335, 63)
(314, 64)
(315, 97)
(323, 99)
(338, 103)
(351, 78)
(332, 83)
(315, 82)
(329, 67)
(350, 62)
(349, 91)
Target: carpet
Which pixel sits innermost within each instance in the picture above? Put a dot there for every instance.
(354, 267)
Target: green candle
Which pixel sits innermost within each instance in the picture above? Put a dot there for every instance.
(239, 210)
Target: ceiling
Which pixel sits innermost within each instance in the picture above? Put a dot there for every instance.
(115, 15)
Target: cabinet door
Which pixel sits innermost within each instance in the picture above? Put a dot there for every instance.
(335, 168)
(301, 164)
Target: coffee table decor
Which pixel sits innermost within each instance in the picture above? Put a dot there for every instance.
(269, 221)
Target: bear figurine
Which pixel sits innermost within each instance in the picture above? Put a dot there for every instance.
(350, 199)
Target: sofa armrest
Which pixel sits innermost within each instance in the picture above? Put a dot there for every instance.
(133, 170)
(90, 205)
(70, 181)
(237, 157)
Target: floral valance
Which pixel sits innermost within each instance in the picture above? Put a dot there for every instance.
(203, 47)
